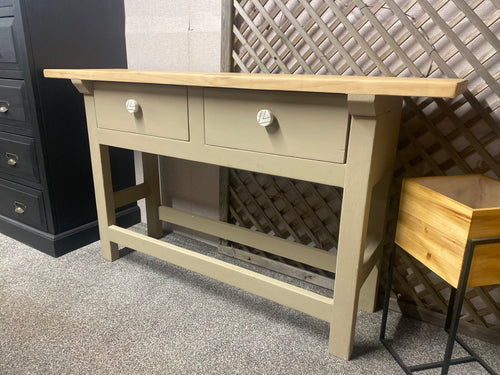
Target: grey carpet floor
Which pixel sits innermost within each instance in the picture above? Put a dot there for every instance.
(79, 314)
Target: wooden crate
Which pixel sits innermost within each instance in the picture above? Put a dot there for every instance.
(438, 215)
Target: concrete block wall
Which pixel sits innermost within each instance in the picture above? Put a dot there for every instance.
(178, 35)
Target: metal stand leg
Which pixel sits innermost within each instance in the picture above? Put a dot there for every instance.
(385, 312)
(451, 303)
(387, 295)
(457, 306)
(452, 317)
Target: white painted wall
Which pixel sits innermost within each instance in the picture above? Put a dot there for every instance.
(178, 35)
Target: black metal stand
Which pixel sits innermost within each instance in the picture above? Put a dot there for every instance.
(452, 316)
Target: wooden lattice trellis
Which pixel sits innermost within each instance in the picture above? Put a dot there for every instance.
(420, 38)
(291, 209)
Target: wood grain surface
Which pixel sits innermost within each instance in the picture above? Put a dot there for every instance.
(438, 215)
(393, 86)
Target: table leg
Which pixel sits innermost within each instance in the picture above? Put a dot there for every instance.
(352, 242)
(101, 171)
(153, 200)
(372, 129)
(376, 230)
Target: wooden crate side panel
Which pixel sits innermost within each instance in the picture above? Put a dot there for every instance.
(485, 268)
(433, 229)
(485, 223)
(464, 189)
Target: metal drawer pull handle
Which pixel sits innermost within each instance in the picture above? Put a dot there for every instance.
(4, 106)
(12, 159)
(19, 208)
(132, 106)
(265, 117)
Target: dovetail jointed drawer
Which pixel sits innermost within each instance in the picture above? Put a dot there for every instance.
(159, 110)
(303, 125)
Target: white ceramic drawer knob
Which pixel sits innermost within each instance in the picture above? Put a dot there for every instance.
(265, 117)
(132, 106)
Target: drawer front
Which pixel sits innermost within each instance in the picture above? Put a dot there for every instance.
(22, 204)
(12, 100)
(162, 111)
(18, 156)
(307, 125)
(7, 45)
(10, 36)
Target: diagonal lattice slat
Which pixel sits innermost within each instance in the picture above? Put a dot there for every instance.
(291, 209)
(420, 38)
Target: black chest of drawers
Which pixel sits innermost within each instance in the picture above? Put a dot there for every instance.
(46, 193)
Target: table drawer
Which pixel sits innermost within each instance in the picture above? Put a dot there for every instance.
(307, 125)
(162, 111)
(22, 203)
(18, 156)
(12, 100)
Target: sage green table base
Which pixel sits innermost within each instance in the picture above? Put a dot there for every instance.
(364, 136)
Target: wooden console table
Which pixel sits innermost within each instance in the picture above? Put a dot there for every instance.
(335, 130)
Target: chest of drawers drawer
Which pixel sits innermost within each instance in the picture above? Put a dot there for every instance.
(13, 101)
(10, 57)
(18, 156)
(22, 204)
(7, 41)
(160, 111)
(306, 125)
